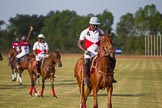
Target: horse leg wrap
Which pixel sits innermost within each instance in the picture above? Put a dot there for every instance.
(30, 90)
(53, 92)
(19, 78)
(41, 92)
(83, 105)
(35, 90)
(13, 77)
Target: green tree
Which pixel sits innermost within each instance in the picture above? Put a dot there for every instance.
(147, 20)
(22, 23)
(125, 29)
(106, 19)
(61, 29)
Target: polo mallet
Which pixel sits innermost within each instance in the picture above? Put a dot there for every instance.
(31, 28)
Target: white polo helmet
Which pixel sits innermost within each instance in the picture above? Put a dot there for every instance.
(23, 38)
(17, 39)
(41, 36)
(94, 21)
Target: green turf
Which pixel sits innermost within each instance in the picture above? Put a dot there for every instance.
(139, 86)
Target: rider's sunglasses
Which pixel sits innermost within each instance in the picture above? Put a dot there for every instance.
(95, 25)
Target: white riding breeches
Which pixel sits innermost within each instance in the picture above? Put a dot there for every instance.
(21, 54)
(89, 55)
(39, 57)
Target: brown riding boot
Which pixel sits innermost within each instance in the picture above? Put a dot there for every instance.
(86, 68)
(113, 63)
(38, 64)
(18, 65)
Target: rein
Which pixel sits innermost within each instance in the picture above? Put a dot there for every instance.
(95, 67)
(105, 51)
(108, 52)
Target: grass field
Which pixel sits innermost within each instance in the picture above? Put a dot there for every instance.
(139, 86)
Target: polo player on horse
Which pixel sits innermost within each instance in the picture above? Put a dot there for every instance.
(24, 50)
(40, 50)
(91, 38)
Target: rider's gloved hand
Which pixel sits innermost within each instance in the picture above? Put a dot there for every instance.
(88, 53)
(46, 56)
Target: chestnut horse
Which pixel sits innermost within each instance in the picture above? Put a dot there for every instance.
(24, 64)
(101, 77)
(47, 71)
(1, 57)
(12, 62)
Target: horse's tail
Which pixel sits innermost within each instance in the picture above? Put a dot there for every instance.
(78, 70)
(9, 60)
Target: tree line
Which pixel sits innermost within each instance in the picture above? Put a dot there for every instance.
(62, 29)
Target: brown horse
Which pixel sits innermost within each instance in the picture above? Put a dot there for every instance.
(16, 73)
(24, 62)
(1, 57)
(101, 77)
(12, 62)
(47, 71)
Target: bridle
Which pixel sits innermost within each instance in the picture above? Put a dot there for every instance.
(107, 49)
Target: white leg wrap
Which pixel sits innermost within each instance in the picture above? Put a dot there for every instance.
(13, 77)
(15, 74)
(19, 78)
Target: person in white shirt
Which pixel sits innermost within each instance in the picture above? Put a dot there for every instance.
(90, 38)
(24, 50)
(40, 50)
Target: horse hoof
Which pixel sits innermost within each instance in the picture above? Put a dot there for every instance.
(30, 94)
(36, 94)
(55, 97)
(82, 106)
(20, 83)
(13, 79)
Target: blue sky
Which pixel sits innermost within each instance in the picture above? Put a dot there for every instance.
(9, 8)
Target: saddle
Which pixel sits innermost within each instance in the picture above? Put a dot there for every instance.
(23, 58)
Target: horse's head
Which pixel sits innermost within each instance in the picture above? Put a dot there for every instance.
(56, 57)
(12, 52)
(106, 47)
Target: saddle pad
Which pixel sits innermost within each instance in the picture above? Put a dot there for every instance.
(34, 63)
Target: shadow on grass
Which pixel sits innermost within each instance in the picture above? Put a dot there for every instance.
(66, 82)
(128, 95)
(124, 95)
(5, 87)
